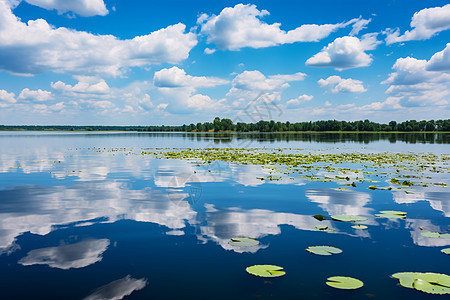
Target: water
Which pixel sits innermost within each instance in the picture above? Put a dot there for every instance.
(85, 215)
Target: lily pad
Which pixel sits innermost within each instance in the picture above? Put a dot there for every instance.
(348, 218)
(438, 235)
(346, 283)
(359, 226)
(391, 214)
(323, 250)
(319, 217)
(446, 251)
(432, 283)
(243, 242)
(265, 270)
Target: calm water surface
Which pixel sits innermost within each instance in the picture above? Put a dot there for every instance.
(86, 216)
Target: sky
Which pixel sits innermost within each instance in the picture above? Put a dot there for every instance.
(112, 62)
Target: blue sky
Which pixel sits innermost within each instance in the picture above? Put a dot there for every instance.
(170, 62)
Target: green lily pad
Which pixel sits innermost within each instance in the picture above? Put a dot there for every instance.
(243, 242)
(391, 214)
(346, 283)
(348, 218)
(319, 217)
(446, 251)
(359, 226)
(265, 270)
(323, 250)
(432, 283)
(438, 235)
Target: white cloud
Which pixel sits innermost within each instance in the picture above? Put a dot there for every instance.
(414, 85)
(294, 103)
(176, 77)
(256, 81)
(85, 8)
(36, 47)
(7, 97)
(37, 95)
(241, 26)
(336, 84)
(358, 25)
(440, 61)
(425, 24)
(345, 53)
(85, 85)
(209, 51)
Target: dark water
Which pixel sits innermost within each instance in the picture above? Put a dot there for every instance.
(88, 216)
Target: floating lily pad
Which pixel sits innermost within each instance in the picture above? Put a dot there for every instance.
(243, 242)
(359, 226)
(446, 251)
(265, 270)
(323, 250)
(346, 283)
(391, 214)
(348, 218)
(432, 283)
(319, 217)
(437, 235)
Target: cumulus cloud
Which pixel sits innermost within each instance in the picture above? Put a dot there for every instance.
(425, 24)
(85, 85)
(336, 84)
(36, 47)
(414, 85)
(241, 26)
(37, 95)
(180, 91)
(7, 97)
(84, 8)
(345, 53)
(294, 103)
(440, 61)
(255, 80)
(176, 77)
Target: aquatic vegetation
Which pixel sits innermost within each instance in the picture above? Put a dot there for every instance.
(432, 283)
(348, 218)
(311, 166)
(323, 250)
(243, 242)
(345, 283)
(359, 226)
(437, 235)
(446, 251)
(391, 214)
(265, 270)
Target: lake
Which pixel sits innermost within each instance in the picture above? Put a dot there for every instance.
(111, 216)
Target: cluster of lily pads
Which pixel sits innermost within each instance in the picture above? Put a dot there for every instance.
(309, 166)
(432, 283)
(325, 167)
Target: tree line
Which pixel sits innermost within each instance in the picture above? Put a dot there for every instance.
(221, 125)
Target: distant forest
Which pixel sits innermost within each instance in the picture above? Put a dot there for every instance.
(223, 125)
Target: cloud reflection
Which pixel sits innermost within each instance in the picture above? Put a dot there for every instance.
(118, 289)
(66, 257)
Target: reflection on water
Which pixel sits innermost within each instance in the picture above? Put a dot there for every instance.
(65, 257)
(171, 221)
(118, 289)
